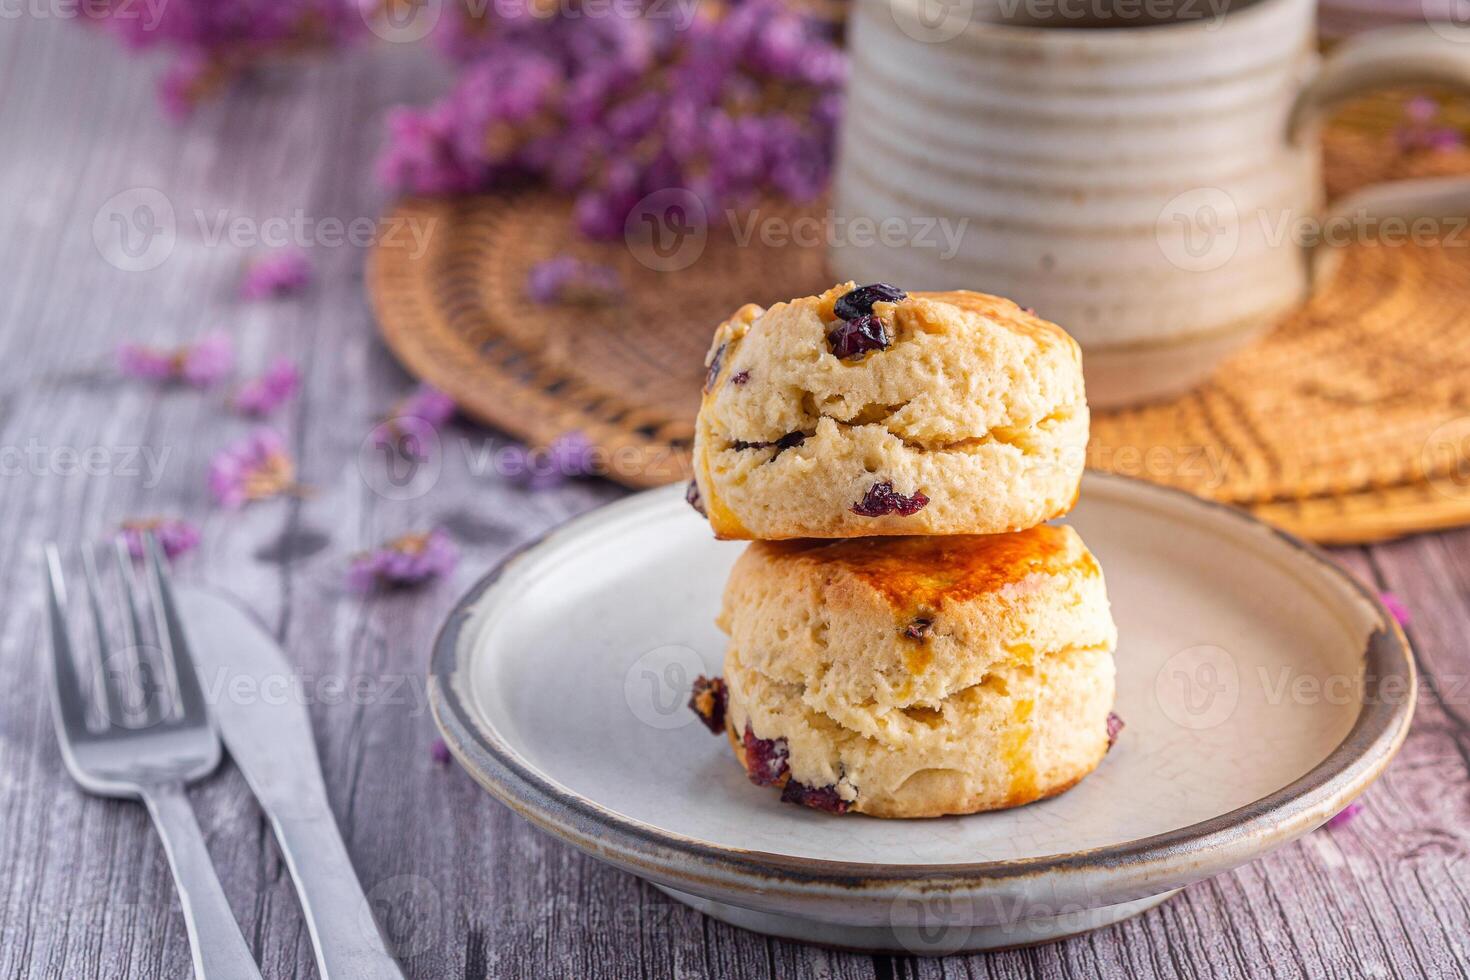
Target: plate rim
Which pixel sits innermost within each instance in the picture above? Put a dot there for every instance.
(1137, 867)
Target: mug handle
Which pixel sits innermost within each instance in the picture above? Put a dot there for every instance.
(1386, 58)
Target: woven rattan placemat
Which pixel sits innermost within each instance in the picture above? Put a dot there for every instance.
(1349, 422)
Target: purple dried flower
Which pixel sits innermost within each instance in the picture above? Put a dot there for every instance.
(568, 280)
(439, 752)
(215, 42)
(570, 455)
(739, 378)
(409, 560)
(1419, 134)
(1115, 728)
(608, 108)
(1421, 109)
(881, 500)
(184, 84)
(1345, 814)
(1395, 607)
(174, 535)
(409, 427)
(203, 363)
(428, 403)
(280, 273)
(263, 395)
(208, 361)
(255, 468)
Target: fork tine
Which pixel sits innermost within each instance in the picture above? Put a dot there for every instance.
(152, 705)
(105, 666)
(66, 687)
(171, 636)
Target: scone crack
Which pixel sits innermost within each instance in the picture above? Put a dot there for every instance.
(789, 441)
(1022, 437)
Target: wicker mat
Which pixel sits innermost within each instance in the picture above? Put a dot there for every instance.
(1349, 422)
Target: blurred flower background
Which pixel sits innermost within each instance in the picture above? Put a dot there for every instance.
(607, 102)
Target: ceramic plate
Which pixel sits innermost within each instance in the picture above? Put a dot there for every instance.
(1262, 689)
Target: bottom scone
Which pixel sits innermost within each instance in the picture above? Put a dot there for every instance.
(916, 677)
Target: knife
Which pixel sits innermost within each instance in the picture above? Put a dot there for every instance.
(256, 696)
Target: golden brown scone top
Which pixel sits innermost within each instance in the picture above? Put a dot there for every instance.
(930, 571)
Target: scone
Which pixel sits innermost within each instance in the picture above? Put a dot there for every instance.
(866, 411)
(917, 676)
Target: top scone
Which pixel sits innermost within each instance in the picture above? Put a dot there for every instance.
(866, 411)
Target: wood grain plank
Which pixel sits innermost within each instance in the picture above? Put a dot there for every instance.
(464, 888)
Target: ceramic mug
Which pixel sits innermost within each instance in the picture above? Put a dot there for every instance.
(1151, 181)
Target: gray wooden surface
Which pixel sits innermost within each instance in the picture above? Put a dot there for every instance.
(465, 888)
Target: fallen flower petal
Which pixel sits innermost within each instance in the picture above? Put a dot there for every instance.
(1419, 132)
(409, 427)
(277, 274)
(174, 535)
(1395, 607)
(1346, 813)
(203, 363)
(263, 395)
(570, 455)
(569, 280)
(409, 560)
(255, 468)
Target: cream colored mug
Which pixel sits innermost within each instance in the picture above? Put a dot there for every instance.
(1144, 172)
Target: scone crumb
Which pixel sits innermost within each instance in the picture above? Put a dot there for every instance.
(709, 700)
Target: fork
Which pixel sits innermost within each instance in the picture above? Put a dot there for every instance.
(175, 744)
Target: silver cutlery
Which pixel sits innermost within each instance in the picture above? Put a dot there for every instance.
(151, 760)
(266, 727)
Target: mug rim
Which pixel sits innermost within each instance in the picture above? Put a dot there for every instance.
(1087, 40)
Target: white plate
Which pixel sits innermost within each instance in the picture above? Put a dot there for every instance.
(1262, 689)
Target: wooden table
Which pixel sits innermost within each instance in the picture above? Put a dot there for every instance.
(464, 887)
